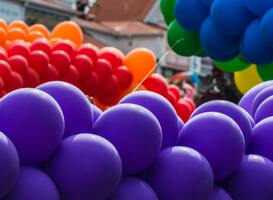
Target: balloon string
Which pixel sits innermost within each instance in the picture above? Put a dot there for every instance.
(163, 57)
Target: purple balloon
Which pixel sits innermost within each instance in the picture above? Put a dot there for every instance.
(253, 180)
(133, 189)
(34, 122)
(260, 97)
(135, 132)
(9, 165)
(163, 111)
(247, 100)
(250, 118)
(218, 138)
(262, 140)
(85, 166)
(74, 104)
(181, 173)
(233, 111)
(33, 184)
(219, 194)
(180, 124)
(96, 112)
(264, 110)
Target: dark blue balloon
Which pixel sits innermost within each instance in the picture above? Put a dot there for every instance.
(190, 14)
(267, 28)
(259, 7)
(231, 17)
(96, 112)
(253, 46)
(216, 44)
(208, 2)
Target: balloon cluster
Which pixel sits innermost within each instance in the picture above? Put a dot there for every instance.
(55, 145)
(233, 33)
(184, 106)
(32, 55)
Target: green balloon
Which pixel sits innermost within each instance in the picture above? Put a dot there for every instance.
(265, 71)
(235, 65)
(201, 53)
(167, 9)
(182, 41)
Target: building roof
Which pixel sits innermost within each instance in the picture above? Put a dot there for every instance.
(94, 41)
(120, 10)
(121, 28)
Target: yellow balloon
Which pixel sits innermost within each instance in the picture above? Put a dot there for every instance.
(246, 79)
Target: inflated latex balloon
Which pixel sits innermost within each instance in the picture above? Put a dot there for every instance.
(42, 44)
(67, 46)
(247, 100)
(260, 97)
(108, 91)
(208, 2)
(32, 79)
(3, 24)
(180, 124)
(89, 50)
(182, 41)
(253, 46)
(133, 189)
(215, 41)
(266, 28)
(18, 47)
(184, 14)
(181, 173)
(3, 37)
(221, 56)
(156, 83)
(264, 110)
(166, 114)
(52, 74)
(124, 77)
(15, 82)
(96, 112)
(242, 80)
(265, 72)
(90, 86)
(84, 65)
(19, 64)
(112, 56)
(175, 90)
(33, 184)
(3, 54)
(237, 64)
(41, 28)
(34, 35)
(219, 194)
(38, 60)
(259, 7)
(72, 76)
(61, 60)
(16, 34)
(262, 138)
(233, 111)
(74, 104)
(34, 123)
(231, 17)
(68, 30)
(218, 138)
(19, 24)
(253, 180)
(103, 69)
(9, 165)
(136, 134)
(167, 9)
(85, 166)
(183, 109)
(5, 71)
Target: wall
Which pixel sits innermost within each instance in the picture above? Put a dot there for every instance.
(10, 10)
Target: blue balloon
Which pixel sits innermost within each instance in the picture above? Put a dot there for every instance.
(96, 112)
(190, 14)
(216, 44)
(231, 17)
(208, 2)
(259, 7)
(253, 46)
(267, 28)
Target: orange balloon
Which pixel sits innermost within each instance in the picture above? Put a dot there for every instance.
(141, 62)
(41, 28)
(3, 37)
(141, 87)
(16, 34)
(33, 35)
(19, 24)
(3, 24)
(68, 30)
(55, 41)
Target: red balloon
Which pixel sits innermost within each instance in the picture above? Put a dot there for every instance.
(112, 57)
(19, 64)
(90, 86)
(71, 76)
(175, 90)
(67, 46)
(51, 75)
(103, 69)
(5, 71)
(191, 103)
(19, 47)
(89, 50)
(39, 61)
(61, 60)
(42, 44)
(183, 110)
(15, 82)
(84, 65)
(32, 79)
(171, 98)
(3, 54)
(2, 88)
(124, 76)
(156, 83)
(108, 91)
